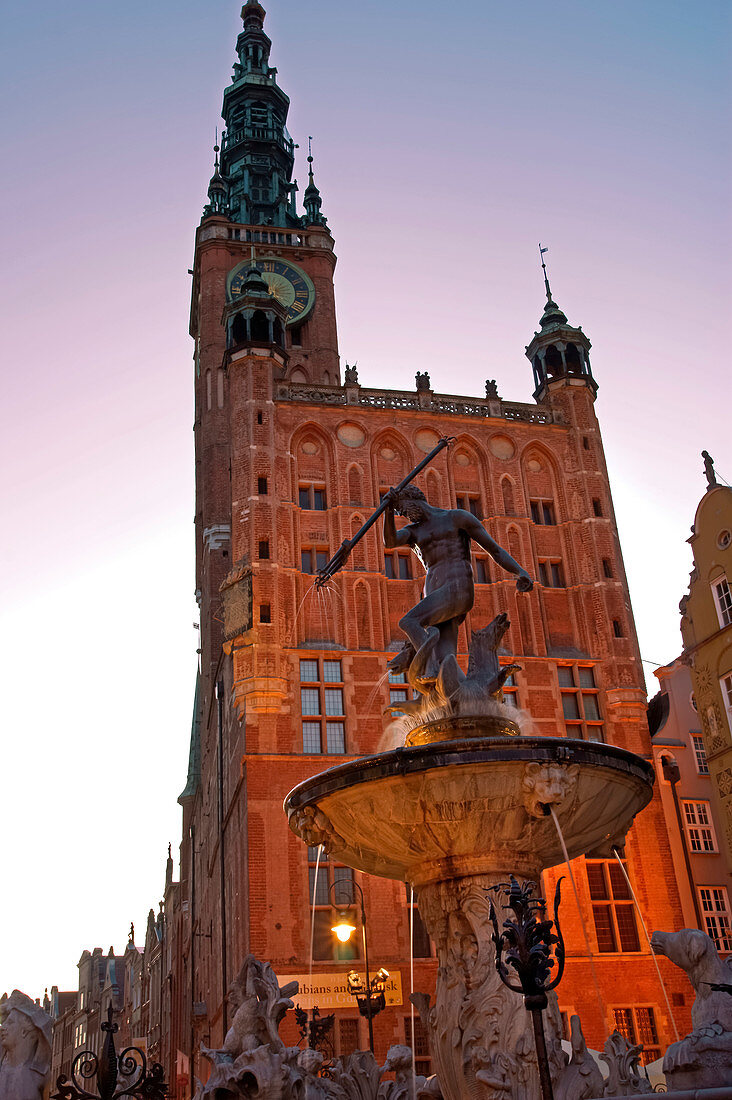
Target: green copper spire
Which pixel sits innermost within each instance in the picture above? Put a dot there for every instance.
(257, 153)
(311, 199)
(218, 191)
(552, 313)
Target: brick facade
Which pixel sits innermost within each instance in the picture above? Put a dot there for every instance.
(273, 425)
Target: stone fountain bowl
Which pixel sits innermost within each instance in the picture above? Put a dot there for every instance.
(480, 805)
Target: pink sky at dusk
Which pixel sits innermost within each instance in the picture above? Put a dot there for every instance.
(448, 141)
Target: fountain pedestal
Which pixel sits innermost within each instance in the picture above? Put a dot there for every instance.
(455, 818)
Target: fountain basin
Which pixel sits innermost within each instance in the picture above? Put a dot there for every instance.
(429, 813)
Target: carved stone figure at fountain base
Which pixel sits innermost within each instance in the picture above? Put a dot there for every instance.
(704, 1058)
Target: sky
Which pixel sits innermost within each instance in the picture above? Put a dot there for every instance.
(448, 141)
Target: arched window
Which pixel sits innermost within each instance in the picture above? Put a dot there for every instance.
(298, 375)
(260, 327)
(572, 358)
(239, 329)
(553, 360)
(208, 389)
(220, 388)
(278, 334)
(326, 377)
(507, 491)
(355, 486)
(364, 621)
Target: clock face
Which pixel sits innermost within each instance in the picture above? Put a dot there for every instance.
(287, 283)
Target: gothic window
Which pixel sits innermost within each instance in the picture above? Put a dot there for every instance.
(638, 1025)
(618, 629)
(262, 486)
(580, 701)
(355, 486)
(542, 512)
(612, 907)
(298, 375)
(481, 572)
(277, 333)
(263, 553)
(398, 564)
(208, 389)
(220, 388)
(470, 502)
(322, 896)
(313, 558)
(699, 827)
(607, 568)
(311, 497)
(507, 491)
(714, 902)
(322, 706)
(551, 573)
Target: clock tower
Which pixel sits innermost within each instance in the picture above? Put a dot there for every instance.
(293, 680)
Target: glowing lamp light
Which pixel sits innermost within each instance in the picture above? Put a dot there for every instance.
(343, 928)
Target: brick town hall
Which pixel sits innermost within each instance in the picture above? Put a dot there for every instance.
(292, 455)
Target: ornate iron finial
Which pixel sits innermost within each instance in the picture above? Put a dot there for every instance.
(116, 1076)
(526, 945)
(546, 277)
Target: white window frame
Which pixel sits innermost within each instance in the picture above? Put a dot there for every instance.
(700, 754)
(722, 600)
(699, 826)
(715, 907)
(725, 686)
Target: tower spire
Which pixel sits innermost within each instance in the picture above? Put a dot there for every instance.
(311, 198)
(558, 350)
(218, 191)
(546, 277)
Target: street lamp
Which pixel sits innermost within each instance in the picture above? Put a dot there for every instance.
(371, 994)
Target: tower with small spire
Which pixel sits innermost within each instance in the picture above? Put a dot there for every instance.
(559, 353)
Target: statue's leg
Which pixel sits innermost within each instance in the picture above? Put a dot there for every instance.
(447, 644)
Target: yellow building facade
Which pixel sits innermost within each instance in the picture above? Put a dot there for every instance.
(706, 629)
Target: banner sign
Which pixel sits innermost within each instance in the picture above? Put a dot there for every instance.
(328, 991)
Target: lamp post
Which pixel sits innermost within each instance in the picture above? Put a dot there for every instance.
(526, 946)
(371, 995)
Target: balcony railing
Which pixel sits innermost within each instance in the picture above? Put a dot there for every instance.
(258, 133)
(438, 403)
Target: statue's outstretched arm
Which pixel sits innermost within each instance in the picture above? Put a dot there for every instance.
(478, 533)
